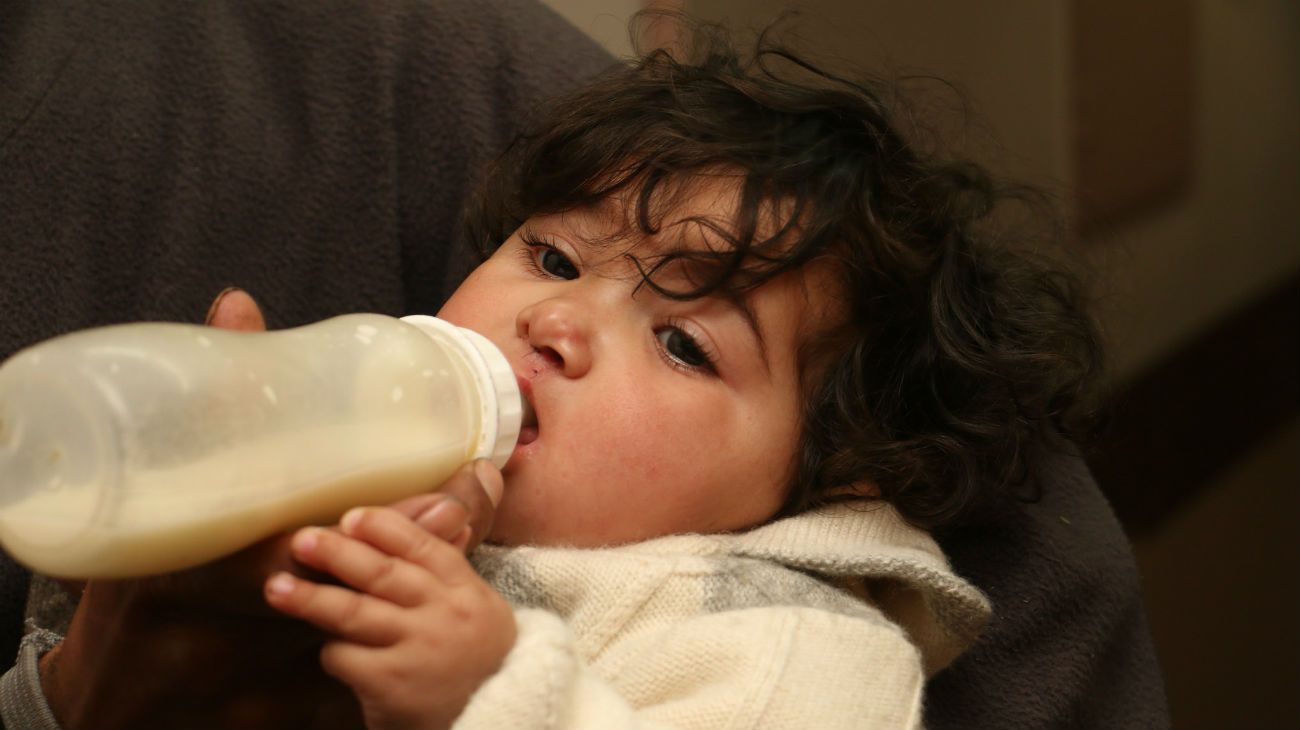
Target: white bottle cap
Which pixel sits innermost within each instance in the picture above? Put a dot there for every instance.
(502, 406)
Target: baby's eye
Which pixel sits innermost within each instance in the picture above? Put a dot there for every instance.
(556, 264)
(683, 349)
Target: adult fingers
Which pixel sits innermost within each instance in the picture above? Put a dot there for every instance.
(235, 309)
(230, 584)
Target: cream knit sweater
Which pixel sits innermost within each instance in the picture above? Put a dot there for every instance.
(831, 619)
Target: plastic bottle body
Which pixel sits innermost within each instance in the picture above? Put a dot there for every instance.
(145, 448)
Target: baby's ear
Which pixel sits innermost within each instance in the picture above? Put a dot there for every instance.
(235, 309)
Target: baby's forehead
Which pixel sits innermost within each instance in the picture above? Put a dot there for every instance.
(700, 211)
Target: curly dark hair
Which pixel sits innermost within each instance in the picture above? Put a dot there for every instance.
(960, 357)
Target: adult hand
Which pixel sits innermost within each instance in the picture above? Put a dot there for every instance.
(201, 649)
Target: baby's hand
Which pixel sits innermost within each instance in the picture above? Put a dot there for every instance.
(420, 632)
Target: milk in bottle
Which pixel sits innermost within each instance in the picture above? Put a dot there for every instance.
(145, 448)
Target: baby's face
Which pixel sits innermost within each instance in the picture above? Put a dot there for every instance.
(653, 416)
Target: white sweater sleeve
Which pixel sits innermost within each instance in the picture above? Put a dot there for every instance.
(758, 668)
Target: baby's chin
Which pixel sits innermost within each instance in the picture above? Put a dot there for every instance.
(506, 532)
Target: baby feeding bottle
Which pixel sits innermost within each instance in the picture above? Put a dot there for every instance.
(145, 448)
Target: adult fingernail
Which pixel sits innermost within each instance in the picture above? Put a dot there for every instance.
(490, 479)
(212, 310)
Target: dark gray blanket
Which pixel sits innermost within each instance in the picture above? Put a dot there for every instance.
(317, 154)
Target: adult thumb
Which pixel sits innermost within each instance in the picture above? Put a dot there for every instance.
(235, 309)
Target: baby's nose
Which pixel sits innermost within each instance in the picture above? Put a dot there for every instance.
(560, 333)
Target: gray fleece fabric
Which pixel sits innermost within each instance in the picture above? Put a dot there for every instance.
(22, 706)
(153, 152)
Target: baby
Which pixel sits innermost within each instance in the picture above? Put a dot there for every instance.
(766, 347)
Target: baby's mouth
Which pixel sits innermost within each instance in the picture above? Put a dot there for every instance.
(528, 423)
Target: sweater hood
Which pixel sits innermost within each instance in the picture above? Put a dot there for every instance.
(869, 550)
(863, 549)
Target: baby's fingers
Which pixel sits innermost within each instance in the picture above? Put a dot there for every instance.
(363, 566)
(372, 672)
(396, 535)
(346, 613)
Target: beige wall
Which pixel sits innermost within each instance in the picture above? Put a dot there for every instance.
(1007, 58)
(1237, 233)
(604, 20)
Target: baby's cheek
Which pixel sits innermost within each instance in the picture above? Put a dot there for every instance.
(642, 432)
